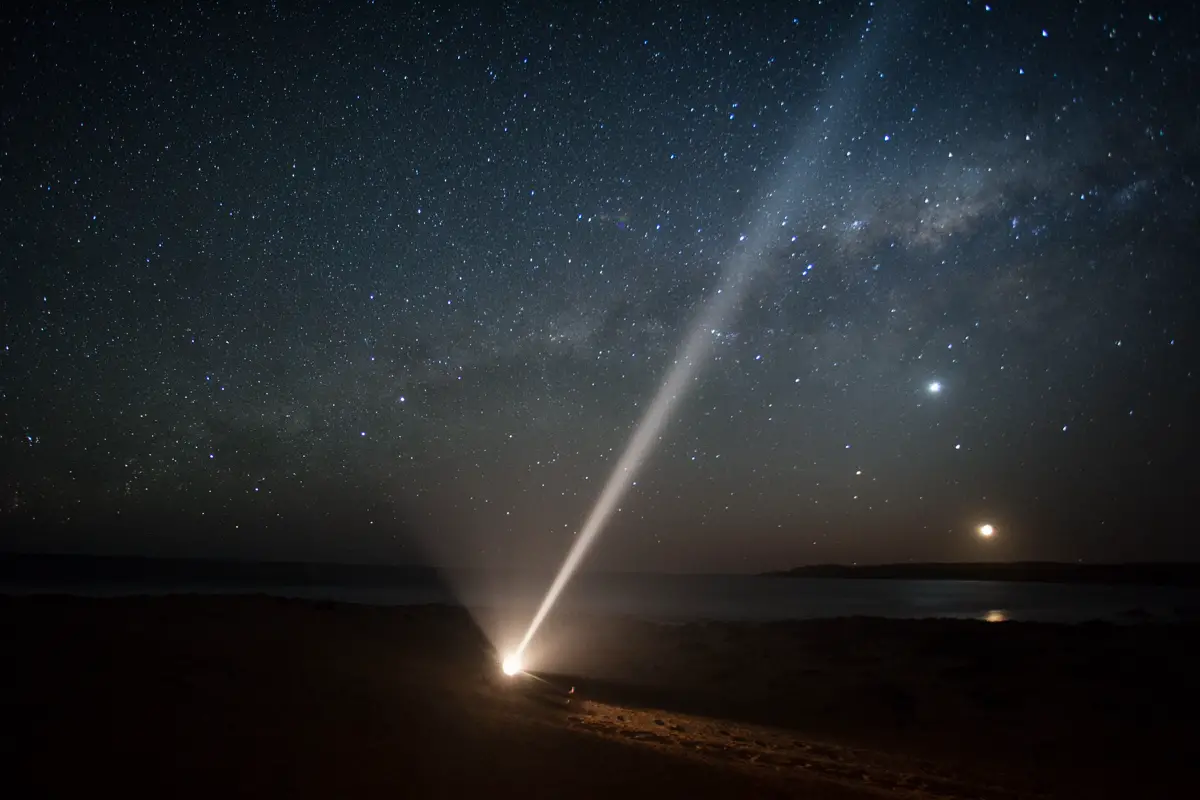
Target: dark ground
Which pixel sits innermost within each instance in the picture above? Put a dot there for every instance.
(254, 696)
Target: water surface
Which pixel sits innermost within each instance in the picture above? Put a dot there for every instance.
(683, 598)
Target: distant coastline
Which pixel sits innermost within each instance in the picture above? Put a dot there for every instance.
(1144, 574)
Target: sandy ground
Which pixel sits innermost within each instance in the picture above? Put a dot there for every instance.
(200, 696)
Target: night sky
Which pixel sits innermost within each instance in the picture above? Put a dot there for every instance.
(366, 282)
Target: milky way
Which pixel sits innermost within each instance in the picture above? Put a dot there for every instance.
(369, 284)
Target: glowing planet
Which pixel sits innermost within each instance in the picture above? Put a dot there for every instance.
(986, 531)
(511, 664)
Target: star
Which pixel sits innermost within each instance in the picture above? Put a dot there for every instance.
(419, 285)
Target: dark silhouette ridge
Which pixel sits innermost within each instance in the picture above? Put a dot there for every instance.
(1145, 574)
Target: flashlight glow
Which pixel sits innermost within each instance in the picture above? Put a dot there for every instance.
(511, 664)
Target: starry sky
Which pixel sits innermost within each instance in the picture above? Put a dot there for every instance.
(390, 282)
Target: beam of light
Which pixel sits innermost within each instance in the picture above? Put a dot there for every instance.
(648, 431)
(795, 177)
(511, 664)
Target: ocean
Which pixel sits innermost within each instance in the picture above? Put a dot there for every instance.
(682, 598)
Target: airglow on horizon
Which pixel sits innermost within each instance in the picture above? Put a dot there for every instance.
(754, 247)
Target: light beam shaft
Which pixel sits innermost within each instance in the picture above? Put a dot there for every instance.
(856, 70)
(648, 431)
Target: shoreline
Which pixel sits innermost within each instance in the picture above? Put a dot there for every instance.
(688, 599)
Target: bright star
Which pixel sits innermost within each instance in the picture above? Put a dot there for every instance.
(986, 531)
(934, 387)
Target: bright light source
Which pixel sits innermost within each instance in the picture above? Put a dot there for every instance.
(934, 387)
(511, 664)
(986, 531)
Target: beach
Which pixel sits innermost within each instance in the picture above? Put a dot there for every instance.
(268, 697)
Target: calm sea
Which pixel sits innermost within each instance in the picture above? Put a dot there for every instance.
(684, 598)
